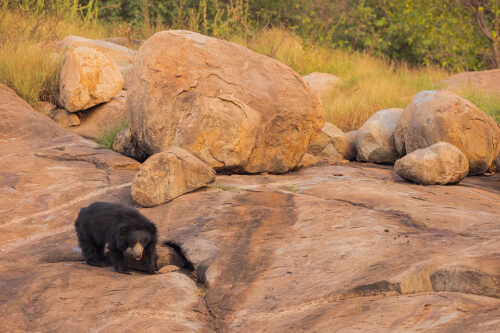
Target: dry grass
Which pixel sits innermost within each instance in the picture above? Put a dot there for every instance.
(28, 63)
(368, 85)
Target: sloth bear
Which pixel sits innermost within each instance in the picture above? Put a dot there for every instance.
(122, 228)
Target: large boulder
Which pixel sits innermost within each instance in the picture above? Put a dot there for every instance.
(88, 78)
(232, 108)
(375, 139)
(122, 55)
(435, 116)
(442, 163)
(330, 134)
(321, 82)
(167, 175)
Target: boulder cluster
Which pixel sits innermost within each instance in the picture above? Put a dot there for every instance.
(197, 105)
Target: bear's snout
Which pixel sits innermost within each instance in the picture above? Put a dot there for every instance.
(137, 251)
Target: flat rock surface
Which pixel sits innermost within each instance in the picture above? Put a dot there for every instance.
(47, 174)
(336, 248)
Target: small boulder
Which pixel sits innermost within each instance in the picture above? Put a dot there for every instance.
(308, 161)
(435, 116)
(45, 108)
(126, 144)
(65, 118)
(167, 256)
(330, 134)
(102, 118)
(88, 78)
(169, 174)
(122, 56)
(442, 163)
(331, 153)
(321, 83)
(375, 139)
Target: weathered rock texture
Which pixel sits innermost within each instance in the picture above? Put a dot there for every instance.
(321, 82)
(352, 137)
(102, 118)
(486, 81)
(122, 56)
(64, 118)
(308, 161)
(45, 108)
(47, 174)
(334, 249)
(126, 144)
(435, 116)
(88, 78)
(442, 163)
(375, 139)
(166, 175)
(232, 108)
(330, 134)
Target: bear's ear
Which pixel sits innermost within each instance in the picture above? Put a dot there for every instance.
(121, 237)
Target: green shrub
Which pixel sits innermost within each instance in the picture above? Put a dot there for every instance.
(107, 139)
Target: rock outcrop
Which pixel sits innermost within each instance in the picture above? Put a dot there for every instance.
(88, 78)
(167, 175)
(442, 163)
(435, 116)
(122, 56)
(47, 174)
(321, 82)
(232, 108)
(330, 134)
(335, 249)
(375, 139)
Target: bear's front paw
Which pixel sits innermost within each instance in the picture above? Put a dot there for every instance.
(124, 270)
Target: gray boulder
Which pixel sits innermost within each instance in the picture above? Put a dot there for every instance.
(375, 139)
(442, 163)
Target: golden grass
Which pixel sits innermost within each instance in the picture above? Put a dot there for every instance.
(28, 63)
(369, 84)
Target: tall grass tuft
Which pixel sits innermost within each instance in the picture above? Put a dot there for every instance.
(29, 35)
(107, 139)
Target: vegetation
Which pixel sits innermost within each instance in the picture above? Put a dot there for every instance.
(107, 139)
(456, 34)
(373, 52)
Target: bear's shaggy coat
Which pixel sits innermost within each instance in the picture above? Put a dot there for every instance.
(121, 228)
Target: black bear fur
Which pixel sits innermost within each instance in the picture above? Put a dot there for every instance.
(120, 227)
